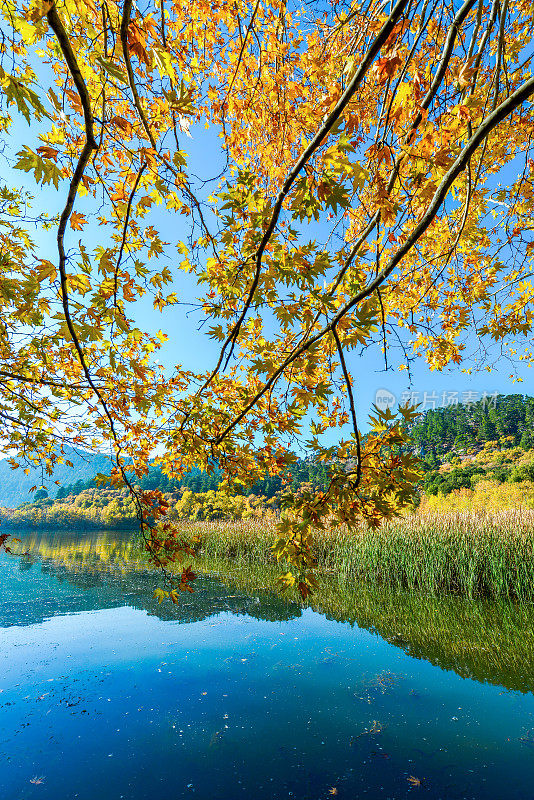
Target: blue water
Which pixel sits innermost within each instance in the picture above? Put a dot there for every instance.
(104, 694)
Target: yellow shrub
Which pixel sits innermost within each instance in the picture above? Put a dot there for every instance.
(485, 496)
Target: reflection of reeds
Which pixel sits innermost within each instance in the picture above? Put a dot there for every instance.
(488, 641)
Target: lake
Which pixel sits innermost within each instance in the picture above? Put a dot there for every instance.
(241, 692)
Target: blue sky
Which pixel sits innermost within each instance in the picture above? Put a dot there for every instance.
(430, 388)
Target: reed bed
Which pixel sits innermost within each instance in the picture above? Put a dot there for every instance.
(472, 554)
(469, 553)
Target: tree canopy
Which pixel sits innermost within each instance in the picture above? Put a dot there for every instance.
(374, 188)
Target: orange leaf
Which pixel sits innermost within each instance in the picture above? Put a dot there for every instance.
(385, 68)
(39, 10)
(123, 124)
(77, 221)
(48, 152)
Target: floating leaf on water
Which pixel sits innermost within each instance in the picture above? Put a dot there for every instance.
(415, 781)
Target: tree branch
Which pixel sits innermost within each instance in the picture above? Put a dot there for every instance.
(316, 142)
(352, 406)
(490, 123)
(125, 229)
(89, 146)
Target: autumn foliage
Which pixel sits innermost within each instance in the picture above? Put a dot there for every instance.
(372, 188)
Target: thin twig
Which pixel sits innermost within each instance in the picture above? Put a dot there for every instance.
(348, 384)
(125, 229)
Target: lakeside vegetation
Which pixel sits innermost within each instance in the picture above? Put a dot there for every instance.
(475, 554)
(472, 532)
(462, 445)
(486, 641)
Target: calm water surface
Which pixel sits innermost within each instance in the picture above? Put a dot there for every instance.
(240, 693)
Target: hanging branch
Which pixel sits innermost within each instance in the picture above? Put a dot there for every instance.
(335, 114)
(445, 58)
(85, 156)
(348, 384)
(125, 22)
(486, 127)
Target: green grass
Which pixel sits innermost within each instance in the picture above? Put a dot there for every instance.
(472, 554)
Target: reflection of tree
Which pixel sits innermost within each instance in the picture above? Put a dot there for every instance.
(486, 641)
(112, 572)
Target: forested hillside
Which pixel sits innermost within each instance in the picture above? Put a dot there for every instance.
(302, 471)
(462, 445)
(458, 446)
(460, 427)
(437, 436)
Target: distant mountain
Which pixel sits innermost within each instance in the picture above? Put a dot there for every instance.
(15, 485)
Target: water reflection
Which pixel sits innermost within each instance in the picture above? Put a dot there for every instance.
(105, 693)
(486, 641)
(113, 571)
